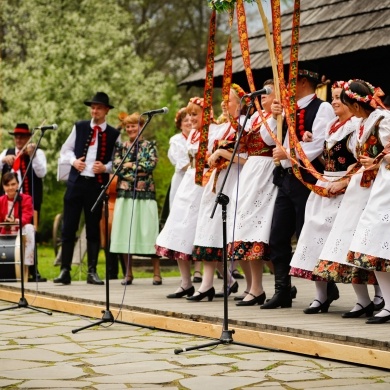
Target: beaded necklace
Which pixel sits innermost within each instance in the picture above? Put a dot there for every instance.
(195, 137)
(337, 125)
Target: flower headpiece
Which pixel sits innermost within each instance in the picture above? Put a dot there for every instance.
(240, 92)
(373, 98)
(308, 73)
(338, 84)
(198, 101)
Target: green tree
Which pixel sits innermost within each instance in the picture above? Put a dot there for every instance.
(57, 54)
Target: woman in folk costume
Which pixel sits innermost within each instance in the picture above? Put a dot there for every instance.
(372, 134)
(370, 246)
(208, 241)
(10, 213)
(255, 199)
(320, 213)
(177, 152)
(135, 219)
(176, 239)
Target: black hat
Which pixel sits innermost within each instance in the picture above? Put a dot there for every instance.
(21, 129)
(99, 98)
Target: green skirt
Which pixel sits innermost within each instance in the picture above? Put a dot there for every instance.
(135, 226)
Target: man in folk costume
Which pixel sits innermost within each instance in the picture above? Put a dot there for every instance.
(89, 150)
(313, 115)
(16, 160)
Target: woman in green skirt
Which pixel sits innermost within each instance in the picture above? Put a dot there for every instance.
(135, 221)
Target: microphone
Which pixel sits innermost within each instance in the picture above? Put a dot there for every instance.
(48, 127)
(163, 110)
(265, 91)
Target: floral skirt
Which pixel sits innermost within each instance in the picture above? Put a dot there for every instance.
(368, 262)
(342, 273)
(171, 254)
(305, 274)
(250, 251)
(203, 253)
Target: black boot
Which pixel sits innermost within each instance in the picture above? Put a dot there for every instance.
(113, 265)
(34, 275)
(64, 277)
(66, 261)
(93, 249)
(282, 297)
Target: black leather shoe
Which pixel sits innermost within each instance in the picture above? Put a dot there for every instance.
(237, 275)
(189, 292)
(323, 307)
(332, 292)
(93, 278)
(379, 306)
(233, 289)
(127, 280)
(38, 279)
(293, 292)
(379, 320)
(63, 278)
(259, 300)
(241, 297)
(197, 279)
(368, 311)
(209, 294)
(157, 282)
(280, 299)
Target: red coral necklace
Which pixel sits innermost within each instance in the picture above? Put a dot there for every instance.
(337, 125)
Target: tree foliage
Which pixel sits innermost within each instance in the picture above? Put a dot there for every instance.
(56, 54)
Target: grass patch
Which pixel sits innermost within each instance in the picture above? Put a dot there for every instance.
(46, 260)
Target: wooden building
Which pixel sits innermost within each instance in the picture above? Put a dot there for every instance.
(342, 39)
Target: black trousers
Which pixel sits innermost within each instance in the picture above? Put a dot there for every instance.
(81, 196)
(288, 217)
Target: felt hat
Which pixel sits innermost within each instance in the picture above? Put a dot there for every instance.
(21, 129)
(99, 98)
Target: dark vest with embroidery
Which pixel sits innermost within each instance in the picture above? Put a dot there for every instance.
(33, 185)
(338, 158)
(106, 144)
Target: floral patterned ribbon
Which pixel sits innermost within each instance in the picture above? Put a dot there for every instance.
(244, 44)
(208, 97)
(289, 100)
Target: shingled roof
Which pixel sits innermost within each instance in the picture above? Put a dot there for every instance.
(343, 38)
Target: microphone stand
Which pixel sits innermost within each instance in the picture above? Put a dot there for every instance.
(222, 199)
(107, 315)
(23, 301)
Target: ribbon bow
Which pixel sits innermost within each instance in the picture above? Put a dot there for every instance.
(376, 100)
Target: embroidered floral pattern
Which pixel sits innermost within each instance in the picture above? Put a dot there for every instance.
(241, 250)
(338, 158)
(202, 253)
(171, 254)
(341, 273)
(139, 176)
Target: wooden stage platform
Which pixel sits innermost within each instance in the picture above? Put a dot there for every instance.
(321, 335)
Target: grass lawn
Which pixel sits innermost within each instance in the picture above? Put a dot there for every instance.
(46, 259)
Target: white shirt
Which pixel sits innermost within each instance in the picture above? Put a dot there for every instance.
(67, 152)
(314, 148)
(39, 163)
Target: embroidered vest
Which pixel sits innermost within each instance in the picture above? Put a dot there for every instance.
(338, 158)
(256, 145)
(106, 144)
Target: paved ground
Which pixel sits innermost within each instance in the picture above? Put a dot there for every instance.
(38, 351)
